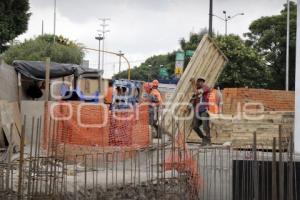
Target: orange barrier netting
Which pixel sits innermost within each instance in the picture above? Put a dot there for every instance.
(90, 124)
(182, 161)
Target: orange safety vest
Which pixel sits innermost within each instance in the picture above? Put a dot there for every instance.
(212, 100)
(156, 93)
(109, 95)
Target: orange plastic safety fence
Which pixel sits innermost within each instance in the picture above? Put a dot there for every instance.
(77, 123)
(180, 159)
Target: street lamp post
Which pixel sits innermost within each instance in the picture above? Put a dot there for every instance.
(99, 38)
(120, 56)
(103, 31)
(149, 73)
(54, 21)
(210, 31)
(226, 21)
(227, 18)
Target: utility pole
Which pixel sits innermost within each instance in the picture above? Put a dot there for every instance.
(149, 73)
(103, 31)
(287, 47)
(54, 23)
(42, 27)
(99, 38)
(120, 57)
(226, 21)
(210, 32)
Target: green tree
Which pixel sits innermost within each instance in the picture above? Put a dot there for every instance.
(14, 18)
(246, 68)
(268, 36)
(62, 51)
(149, 70)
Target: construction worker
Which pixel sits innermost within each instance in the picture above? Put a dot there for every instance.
(147, 91)
(155, 104)
(155, 93)
(200, 103)
(215, 100)
(109, 93)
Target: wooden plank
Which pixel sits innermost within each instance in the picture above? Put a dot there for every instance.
(212, 74)
(200, 51)
(208, 61)
(190, 72)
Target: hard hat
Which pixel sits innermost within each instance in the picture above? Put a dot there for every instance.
(201, 78)
(155, 83)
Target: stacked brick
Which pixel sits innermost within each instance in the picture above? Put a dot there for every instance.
(240, 122)
(272, 100)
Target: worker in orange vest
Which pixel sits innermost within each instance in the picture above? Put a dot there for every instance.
(155, 93)
(109, 93)
(201, 105)
(147, 90)
(155, 104)
(215, 100)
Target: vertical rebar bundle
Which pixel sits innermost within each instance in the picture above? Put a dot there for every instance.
(168, 169)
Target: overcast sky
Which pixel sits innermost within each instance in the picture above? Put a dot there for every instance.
(141, 28)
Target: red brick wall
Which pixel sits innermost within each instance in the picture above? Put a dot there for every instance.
(272, 100)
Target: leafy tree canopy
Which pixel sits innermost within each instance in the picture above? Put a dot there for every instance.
(62, 51)
(149, 70)
(268, 36)
(14, 18)
(245, 67)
